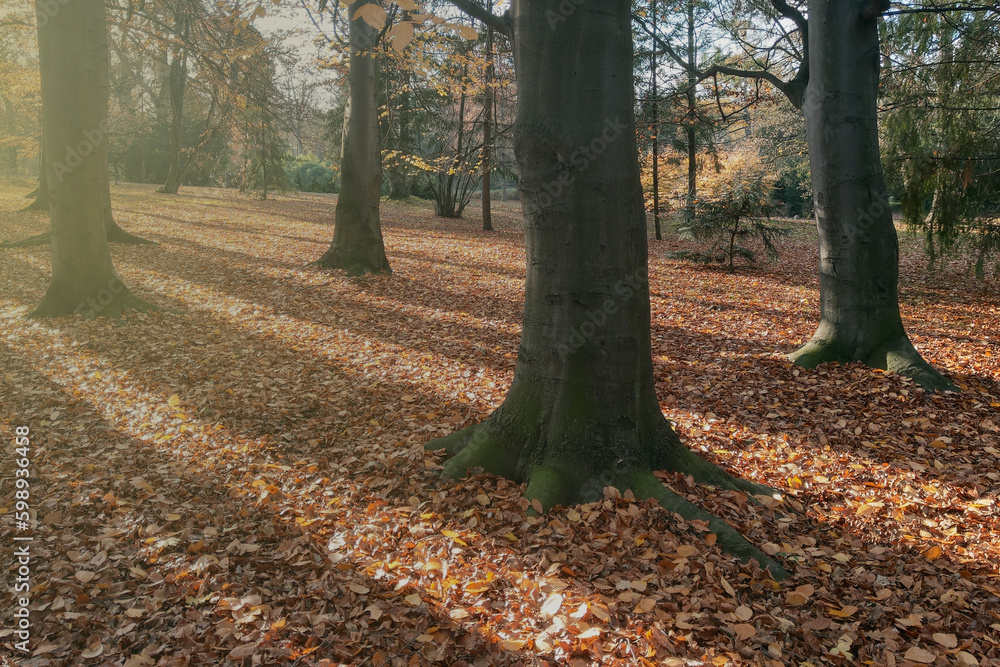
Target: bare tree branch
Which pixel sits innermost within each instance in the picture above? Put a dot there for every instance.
(499, 23)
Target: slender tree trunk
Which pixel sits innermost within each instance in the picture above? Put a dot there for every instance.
(656, 133)
(450, 202)
(488, 134)
(177, 84)
(73, 58)
(357, 243)
(582, 413)
(859, 254)
(692, 137)
(399, 183)
(41, 202)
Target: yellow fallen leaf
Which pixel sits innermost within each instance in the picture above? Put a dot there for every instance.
(933, 553)
(476, 586)
(846, 611)
(174, 401)
(453, 535)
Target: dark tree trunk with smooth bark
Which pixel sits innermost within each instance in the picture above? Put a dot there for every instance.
(176, 84)
(488, 135)
(656, 132)
(582, 412)
(859, 254)
(73, 58)
(357, 245)
(692, 136)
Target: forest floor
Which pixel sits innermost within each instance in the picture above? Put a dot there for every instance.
(243, 481)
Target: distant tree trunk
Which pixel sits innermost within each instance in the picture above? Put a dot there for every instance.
(692, 136)
(357, 243)
(488, 134)
(177, 82)
(452, 194)
(41, 202)
(859, 253)
(399, 182)
(73, 59)
(656, 134)
(582, 412)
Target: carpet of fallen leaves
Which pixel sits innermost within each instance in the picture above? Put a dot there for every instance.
(243, 481)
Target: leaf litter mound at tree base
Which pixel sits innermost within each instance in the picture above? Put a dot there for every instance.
(246, 477)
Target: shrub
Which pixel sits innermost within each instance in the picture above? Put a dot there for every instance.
(735, 210)
(307, 173)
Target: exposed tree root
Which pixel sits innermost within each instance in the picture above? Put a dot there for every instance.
(60, 300)
(645, 485)
(357, 260)
(896, 356)
(555, 477)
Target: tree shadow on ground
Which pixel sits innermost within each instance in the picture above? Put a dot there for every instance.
(151, 514)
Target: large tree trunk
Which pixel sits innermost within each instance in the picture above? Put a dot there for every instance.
(357, 243)
(73, 58)
(582, 413)
(859, 254)
(114, 233)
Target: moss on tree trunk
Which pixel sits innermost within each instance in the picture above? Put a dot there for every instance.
(582, 413)
(859, 253)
